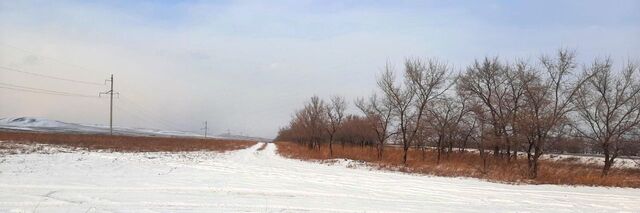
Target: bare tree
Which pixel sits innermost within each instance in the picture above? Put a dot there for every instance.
(313, 120)
(608, 105)
(467, 131)
(379, 113)
(479, 114)
(516, 79)
(400, 99)
(424, 81)
(335, 114)
(548, 101)
(356, 130)
(487, 83)
(498, 106)
(447, 114)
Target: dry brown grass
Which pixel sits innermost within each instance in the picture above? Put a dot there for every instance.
(125, 143)
(470, 165)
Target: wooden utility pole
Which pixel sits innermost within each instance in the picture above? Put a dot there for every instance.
(110, 92)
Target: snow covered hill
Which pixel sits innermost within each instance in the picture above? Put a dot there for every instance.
(30, 123)
(253, 180)
(47, 125)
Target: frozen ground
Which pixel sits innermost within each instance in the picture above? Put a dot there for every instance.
(261, 181)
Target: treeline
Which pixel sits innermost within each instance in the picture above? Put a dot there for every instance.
(498, 107)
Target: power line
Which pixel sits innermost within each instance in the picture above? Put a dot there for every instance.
(146, 111)
(51, 92)
(143, 115)
(31, 91)
(138, 117)
(42, 91)
(50, 77)
(42, 56)
(147, 119)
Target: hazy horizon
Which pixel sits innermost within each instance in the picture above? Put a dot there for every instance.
(245, 66)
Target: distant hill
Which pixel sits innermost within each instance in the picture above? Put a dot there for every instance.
(244, 137)
(47, 125)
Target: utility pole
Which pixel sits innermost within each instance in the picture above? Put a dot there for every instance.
(110, 92)
(206, 128)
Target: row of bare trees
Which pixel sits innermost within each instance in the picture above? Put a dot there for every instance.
(492, 105)
(321, 121)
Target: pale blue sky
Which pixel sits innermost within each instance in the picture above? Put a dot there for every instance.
(246, 65)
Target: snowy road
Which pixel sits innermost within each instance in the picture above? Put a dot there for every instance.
(261, 181)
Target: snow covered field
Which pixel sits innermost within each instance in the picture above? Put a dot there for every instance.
(262, 181)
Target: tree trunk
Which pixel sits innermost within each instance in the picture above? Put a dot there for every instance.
(607, 166)
(508, 152)
(450, 148)
(331, 148)
(439, 148)
(404, 155)
(483, 155)
(608, 159)
(533, 168)
(533, 160)
(464, 146)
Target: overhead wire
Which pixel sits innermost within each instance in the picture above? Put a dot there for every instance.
(50, 77)
(138, 117)
(42, 91)
(139, 114)
(145, 117)
(143, 111)
(42, 56)
(31, 91)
